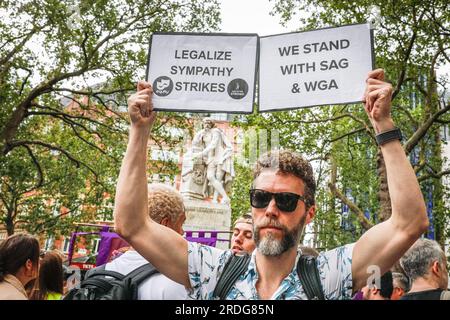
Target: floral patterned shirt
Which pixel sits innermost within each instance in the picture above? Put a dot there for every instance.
(206, 264)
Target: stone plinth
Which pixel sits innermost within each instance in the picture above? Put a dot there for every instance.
(207, 216)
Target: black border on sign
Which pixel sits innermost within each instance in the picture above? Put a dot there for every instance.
(326, 104)
(372, 43)
(213, 34)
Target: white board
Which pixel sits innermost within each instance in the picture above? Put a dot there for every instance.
(203, 72)
(320, 67)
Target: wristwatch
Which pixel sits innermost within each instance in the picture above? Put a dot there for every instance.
(384, 137)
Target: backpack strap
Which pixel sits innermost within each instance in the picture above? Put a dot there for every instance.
(235, 267)
(101, 271)
(309, 277)
(237, 264)
(140, 274)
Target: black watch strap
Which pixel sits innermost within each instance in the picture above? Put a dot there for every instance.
(384, 137)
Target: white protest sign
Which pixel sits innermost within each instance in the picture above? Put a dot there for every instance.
(320, 67)
(203, 72)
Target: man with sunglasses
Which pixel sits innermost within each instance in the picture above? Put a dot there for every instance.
(282, 199)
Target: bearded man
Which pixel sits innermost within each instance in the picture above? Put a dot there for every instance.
(282, 200)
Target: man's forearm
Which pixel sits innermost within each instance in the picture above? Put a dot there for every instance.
(383, 244)
(131, 203)
(386, 242)
(408, 206)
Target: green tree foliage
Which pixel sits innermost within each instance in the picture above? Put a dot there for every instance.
(240, 203)
(411, 42)
(61, 137)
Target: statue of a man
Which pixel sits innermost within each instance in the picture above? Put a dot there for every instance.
(216, 155)
(193, 173)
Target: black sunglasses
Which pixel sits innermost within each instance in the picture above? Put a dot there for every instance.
(285, 201)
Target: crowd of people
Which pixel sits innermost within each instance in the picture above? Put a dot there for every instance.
(265, 242)
(27, 273)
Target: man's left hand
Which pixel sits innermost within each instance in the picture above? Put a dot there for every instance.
(377, 101)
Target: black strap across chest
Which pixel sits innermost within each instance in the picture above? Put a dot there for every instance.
(237, 265)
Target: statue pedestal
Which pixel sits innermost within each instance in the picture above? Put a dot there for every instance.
(207, 216)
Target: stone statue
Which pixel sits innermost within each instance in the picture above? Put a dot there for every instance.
(208, 166)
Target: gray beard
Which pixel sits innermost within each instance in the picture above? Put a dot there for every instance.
(271, 246)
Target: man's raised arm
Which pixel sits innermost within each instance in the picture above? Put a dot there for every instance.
(385, 243)
(162, 246)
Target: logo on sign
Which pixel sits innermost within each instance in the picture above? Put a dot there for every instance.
(162, 86)
(237, 88)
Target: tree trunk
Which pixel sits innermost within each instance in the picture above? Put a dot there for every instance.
(383, 193)
(438, 212)
(365, 223)
(9, 223)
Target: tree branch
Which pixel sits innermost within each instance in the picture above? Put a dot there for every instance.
(346, 135)
(40, 181)
(445, 31)
(421, 132)
(22, 87)
(109, 109)
(408, 114)
(88, 142)
(5, 201)
(38, 227)
(432, 73)
(420, 88)
(56, 113)
(405, 59)
(345, 115)
(97, 96)
(366, 127)
(18, 47)
(420, 167)
(352, 206)
(13, 144)
(122, 31)
(91, 92)
(433, 174)
(19, 113)
(15, 211)
(62, 117)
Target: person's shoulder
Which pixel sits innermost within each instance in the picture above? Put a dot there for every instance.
(126, 262)
(433, 294)
(342, 253)
(132, 254)
(159, 280)
(445, 295)
(9, 292)
(340, 249)
(159, 287)
(208, 253)
(196, 246)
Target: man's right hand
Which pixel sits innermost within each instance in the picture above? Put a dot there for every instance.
(140, 106)
(164, 248)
